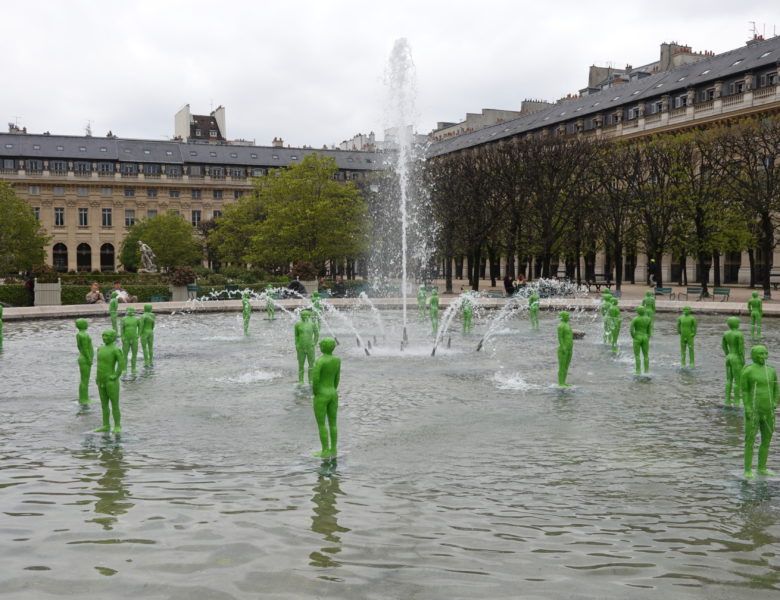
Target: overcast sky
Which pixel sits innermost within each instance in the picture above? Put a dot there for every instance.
(312, 71)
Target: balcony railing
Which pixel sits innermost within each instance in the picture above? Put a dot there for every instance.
(704, 106)
(765, 92)
(82, 173)
(130, 175)
(732, 100)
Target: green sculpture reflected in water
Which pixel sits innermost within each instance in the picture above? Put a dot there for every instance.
(760, 396)
(86, 357)
(686, 328)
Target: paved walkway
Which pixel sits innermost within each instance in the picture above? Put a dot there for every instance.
(631, 297)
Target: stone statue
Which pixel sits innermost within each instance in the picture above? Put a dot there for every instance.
(613, 324)
(434, 309)
(113, 307)
(86, 356)
(324, 385)
(130, 331)
(760, 395)
(468, 311)
(756, 310)
(649, 303)
(421, 298)
(640, 333)
(110, 364)
(147, 335)
(147, 259)
(686, 328)
(565, 348)
(246, 310)
(533, 310)
(306, 336)
(733, 344)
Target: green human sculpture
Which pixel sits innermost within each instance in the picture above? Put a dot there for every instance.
(306, 335)
(760, 395)
(110, 364)
(421, 298)
(434, 309)
(468, 311)
(131, 328)
(324, 385)
(270, 307)
(613, 324)
(147, 335)
(686, 328)
(649, 303)
(1, 326)
(733, 344)
(756, 310)
(640, 333)
(246, 311)
(606, 304)
(533, 310)
(565, 348)
(113, 307)
(86, 356)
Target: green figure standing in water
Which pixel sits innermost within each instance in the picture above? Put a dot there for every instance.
(733, 344)
(86, 356)
(649, 303)
(324, 385)
(110, 364)
(246, 311)
(147, 335)
(565, 348)
(421, 298)
(640, 333)
(270, 308)
(760, 395)
(113, 307)
(131, 328)
(306, 336)
(686, 328)
(606, 304)
(468, 311)
(434, 310)
(756, 310)
(533, 310)
(613, 324)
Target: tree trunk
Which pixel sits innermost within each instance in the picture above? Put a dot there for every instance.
(618, 258)
(752, 261)
(448, 273)
(767, 245)
(477, 264)
(716, 269)
(704, 273)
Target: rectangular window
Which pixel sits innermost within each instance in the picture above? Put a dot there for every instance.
(59, 190)
(129, 168)
(129, 217)
(236, 172)
(212, 133)
(196, 194)
(771, 78)
(681, 101)
(195, 218)
(59, 217)
(83, 217)
(129, 192)
(174, 193)
(37, 213)
(151, 193)
(238, 194)
(195, 170)
(105, 167)
(151, 169)
(35, 165)
(217, 172)
(107, 218)
(216, 214)
(105, 191)
(173, 171)
(151, 213)
(82, 190)
(34, 190)
(197, 132)
(217, 194)
(9, 163)
(81, 166)
(58, 165)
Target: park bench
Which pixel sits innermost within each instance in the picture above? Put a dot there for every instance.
(691, 291)
(774, 278)
(158, 299)
(598, 280)
(721, 292)
(662, 291)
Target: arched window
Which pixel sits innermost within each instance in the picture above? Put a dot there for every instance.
(107, 257)
(60, 257)
(83, 257)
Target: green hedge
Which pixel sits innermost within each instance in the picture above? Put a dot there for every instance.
(15, 294)
(75, 294)
(105, 279)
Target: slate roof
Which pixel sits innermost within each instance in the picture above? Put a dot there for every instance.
(753, 57)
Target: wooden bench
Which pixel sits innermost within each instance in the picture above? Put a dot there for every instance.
(721, 292)
(662, 291)
(691, 291)
(598, 280)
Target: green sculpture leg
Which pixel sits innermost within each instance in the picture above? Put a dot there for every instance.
(435, 320)
(766, 424)
(130, 346)
(564, 360)
(109, 401)
(614, 335)
(733, 382)
(114, 325)
(246, 324)
(147, 346)
(85, 368)
(641, 346)
(327, 406)
(686, 343)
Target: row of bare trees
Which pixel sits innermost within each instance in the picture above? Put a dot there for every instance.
(694, 194)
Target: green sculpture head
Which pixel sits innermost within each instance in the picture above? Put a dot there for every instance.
(114, 294)
(733, 322)
(755, 295)
(434, 292)
(687, 310)
(315, 294)
(327, 345)
(759, 354)
(109, 337)
(649, 294)
(613, 300)
(147, 308)
(640, 310)
(305, 314)
(130, 311)
(81, 324)
(564, 316)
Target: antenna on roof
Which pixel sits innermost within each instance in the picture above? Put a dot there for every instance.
(88, 128)
(753, 29)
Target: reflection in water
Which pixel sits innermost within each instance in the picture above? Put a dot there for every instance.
(757, 512)
(110, 491)
(324, 519)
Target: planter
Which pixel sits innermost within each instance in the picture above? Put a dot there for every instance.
(310, 286)
(48, 294)
(178, 293)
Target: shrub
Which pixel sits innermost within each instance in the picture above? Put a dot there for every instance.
(45, 274)
(15, 294)
(75, 294)
(305, 270)
(180, 276)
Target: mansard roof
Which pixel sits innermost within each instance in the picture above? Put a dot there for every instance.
(751, 57)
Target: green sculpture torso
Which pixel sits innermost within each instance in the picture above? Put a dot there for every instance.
(686, 328)
(130, 333)
(246, 310)
(640, 334)
(306, 335)
(147, 335)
